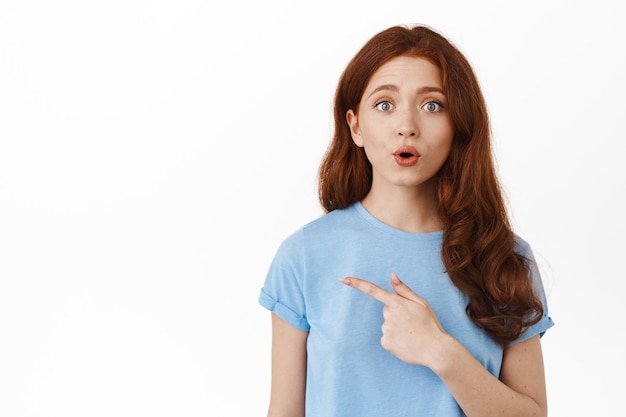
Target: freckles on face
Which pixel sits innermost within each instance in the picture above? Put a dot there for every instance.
(402, 121)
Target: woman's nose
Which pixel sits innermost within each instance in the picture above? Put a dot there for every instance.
(407, 125)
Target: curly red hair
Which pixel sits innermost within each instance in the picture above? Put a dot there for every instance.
(479, 248)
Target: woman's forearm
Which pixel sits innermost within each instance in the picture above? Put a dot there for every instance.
(479, 393)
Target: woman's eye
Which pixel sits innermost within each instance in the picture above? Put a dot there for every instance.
(384, 106)
(432, 106)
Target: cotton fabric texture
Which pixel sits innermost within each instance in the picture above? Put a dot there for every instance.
(348, 372)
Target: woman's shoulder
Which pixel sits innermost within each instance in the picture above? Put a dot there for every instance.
(331, 219)
(322, 228)
(316, 233)
(522, 246)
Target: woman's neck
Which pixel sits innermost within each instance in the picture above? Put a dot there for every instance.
(410, 209)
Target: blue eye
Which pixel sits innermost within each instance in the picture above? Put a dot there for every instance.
(433, 106)
(384, 106)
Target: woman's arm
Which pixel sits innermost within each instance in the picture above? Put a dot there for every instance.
(412, 332)
(520, 391)
(288, 369)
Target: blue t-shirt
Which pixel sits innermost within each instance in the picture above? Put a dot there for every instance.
(348, 372)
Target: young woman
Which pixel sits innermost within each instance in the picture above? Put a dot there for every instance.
(411, 296)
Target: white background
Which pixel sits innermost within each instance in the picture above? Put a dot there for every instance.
(153, 154)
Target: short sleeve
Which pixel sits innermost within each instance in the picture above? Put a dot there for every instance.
(546, 322)
(282, 292)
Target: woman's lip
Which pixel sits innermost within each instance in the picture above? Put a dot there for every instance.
(406, 156)
(406, 161)
(407, 150)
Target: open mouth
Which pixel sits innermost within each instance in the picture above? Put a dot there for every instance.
(406, 156)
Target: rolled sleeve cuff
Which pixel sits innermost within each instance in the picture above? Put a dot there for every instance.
(283, 311)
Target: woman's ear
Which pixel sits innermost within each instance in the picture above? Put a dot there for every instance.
(355, 132)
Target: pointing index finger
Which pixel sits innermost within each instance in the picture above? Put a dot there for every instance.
(370, 289)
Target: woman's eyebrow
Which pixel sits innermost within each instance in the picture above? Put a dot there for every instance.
(421, 90)
(390, 87)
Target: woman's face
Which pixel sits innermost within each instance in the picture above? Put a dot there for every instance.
(403, 123)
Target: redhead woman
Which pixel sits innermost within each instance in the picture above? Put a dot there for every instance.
(411, 295)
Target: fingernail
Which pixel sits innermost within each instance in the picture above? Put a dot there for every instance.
(346, 281)
(395, 279)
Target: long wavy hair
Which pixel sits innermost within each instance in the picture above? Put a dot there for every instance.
(479, 245)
